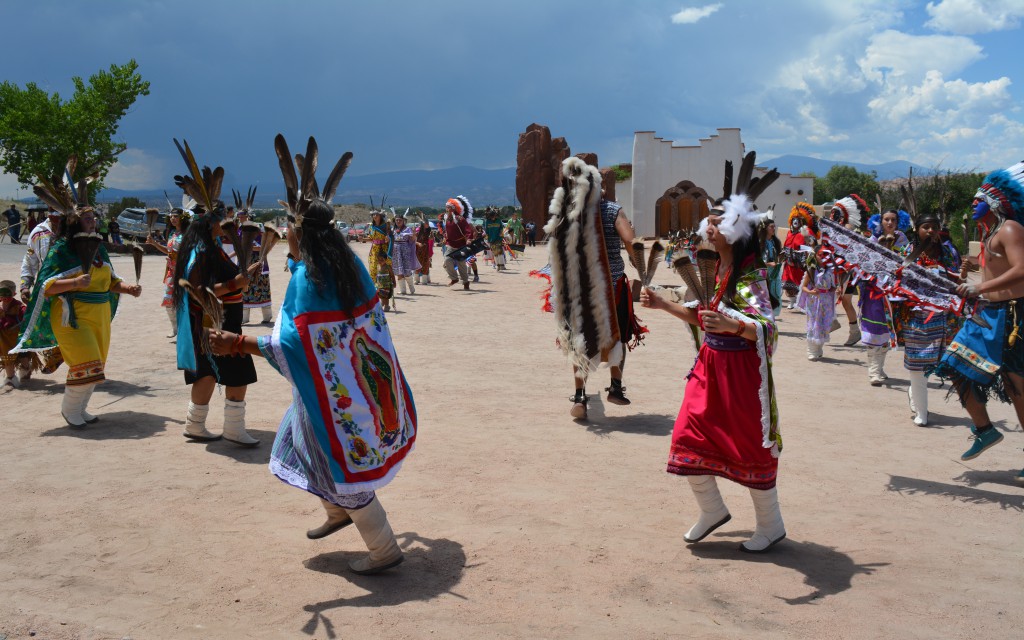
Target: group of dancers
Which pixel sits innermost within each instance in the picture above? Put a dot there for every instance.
(352, 420)
(913, 292)
(401, 255)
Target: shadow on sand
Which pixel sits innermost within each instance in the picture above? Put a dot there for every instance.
(115, 425)
(247, 455)
(432, 568)
(915, 486)
(825, 570)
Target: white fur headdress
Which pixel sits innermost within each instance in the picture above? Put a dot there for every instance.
(739, 217)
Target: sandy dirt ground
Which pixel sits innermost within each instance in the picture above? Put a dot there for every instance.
(517, 521)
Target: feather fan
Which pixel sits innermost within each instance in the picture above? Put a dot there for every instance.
(211, 306)
(137, 253)
(152, 215)
(688, 272)
(271, 237)
(653, 260)
(85, 246)
(636, 256)
(249, 231)
(707, 266)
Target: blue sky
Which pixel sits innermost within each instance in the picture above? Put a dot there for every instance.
(417, 84)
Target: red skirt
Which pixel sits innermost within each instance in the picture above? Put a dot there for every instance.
(718, 431)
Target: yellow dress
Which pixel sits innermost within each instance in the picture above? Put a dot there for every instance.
(85, 348)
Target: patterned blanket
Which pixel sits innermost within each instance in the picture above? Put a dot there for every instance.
(885, 268)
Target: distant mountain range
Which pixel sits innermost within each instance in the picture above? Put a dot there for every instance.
(803, 164)
(428, 188)
(431, 188)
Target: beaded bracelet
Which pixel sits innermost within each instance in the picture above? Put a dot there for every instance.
(743, 327)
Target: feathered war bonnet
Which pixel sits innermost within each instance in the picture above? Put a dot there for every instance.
(852, 209)
(1003, 190)
(805, 212)
(739, 216)
(466, 207)
(301, 188)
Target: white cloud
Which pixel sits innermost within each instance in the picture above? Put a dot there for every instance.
(974, 16)
(136, 169)
(691, 15)
(864, 91)
(909, 58)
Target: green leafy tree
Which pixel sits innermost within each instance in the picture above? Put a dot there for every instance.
(39, 131)
(842, 180)
(128, 202)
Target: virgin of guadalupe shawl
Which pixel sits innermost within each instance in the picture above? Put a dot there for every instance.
(61, 262)
(582, 298)
(728, 423)
(352, 419)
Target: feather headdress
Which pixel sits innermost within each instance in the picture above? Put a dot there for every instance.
(301, 188)
(61, 193)
(739, 216)
(852, 210)
(244, 206)
(467, 208)
(802, 210)
(202, 186)
(1003, 190)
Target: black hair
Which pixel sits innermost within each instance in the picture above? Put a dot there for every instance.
(198, 236)
(743, 252)
(328, 259)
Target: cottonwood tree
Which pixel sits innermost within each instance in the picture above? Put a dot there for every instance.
(39, 131)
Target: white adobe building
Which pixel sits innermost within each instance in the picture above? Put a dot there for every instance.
(659, 165)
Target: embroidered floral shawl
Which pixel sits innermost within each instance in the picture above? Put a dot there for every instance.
(352, 419)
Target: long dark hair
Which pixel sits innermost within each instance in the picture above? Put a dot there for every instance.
(198, 237)
(328, 258)
(744, 253)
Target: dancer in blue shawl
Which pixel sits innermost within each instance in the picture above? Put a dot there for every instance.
(352, 420)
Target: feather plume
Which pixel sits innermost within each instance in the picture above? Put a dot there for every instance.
(137, 253)
(237, 197)
(193, 184)
(291, 181)
(653, 260)
(307, 184)
(746, 171)
(907, 193)
(250, 197)
(637, 258)
(758, 185)
(331, 184)
(707, 266)
(688, 272)
(727, 184)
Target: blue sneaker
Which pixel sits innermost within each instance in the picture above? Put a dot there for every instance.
(1020, 476)
(983, 441)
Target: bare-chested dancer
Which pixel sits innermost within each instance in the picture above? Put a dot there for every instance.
(987, 356)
